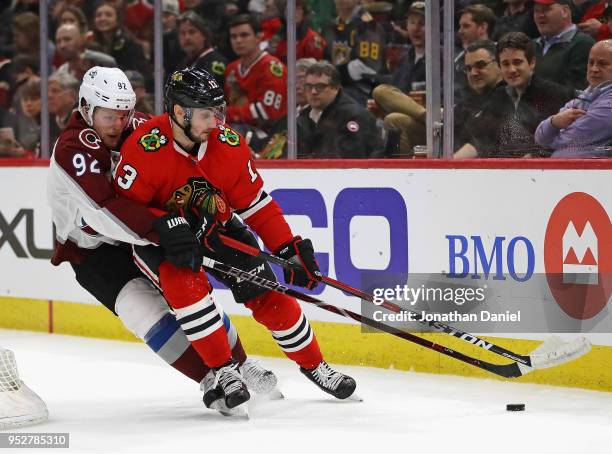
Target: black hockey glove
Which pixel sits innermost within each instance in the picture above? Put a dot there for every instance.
(300, 251)
(207, 233)
(179, 243)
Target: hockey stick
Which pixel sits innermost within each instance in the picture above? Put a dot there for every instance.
(511, 370)
(507, 370)
(541, 360)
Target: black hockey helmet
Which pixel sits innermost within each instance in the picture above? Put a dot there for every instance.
(193, 88)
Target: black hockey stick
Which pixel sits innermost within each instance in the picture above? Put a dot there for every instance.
(528, 361)
(511, 370)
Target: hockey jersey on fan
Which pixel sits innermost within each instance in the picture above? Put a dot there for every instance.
(154, 169)
(359, 38)
(256, 95)
(86, 210)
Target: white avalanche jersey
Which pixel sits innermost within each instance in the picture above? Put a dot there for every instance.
(86, 211)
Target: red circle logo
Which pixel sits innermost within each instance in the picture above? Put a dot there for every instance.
(578, 255)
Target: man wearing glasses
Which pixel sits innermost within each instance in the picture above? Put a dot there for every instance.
(483, 76)
(334, 125)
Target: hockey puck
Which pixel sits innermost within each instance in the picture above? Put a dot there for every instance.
(515, 407)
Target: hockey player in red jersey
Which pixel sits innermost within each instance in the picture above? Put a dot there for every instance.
(188, 159)
(256, 83)
(93, 226)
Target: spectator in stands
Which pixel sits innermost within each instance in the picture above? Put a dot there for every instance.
(70, 45)
(334, 125)
(217, 14)
(173, 54)
(15, 73)
(508, 121)
(322, 14)
(70, 14)
(26, 37)
(583, 127)
(9, 147)
(301, 67)
(402, 114)
(80, 9)
(195, 39)
(561, 50)
(517, 17)
(62, 99)
(115, 40)
(608, 18)
(269, 19)
(8, 11)
(484, 77)
(476, 22)
(310, 44)
(28, 118)
(61, 15)
(593, 19)
(144, 103)
(138, 19)
(256, 83)
(355, 45)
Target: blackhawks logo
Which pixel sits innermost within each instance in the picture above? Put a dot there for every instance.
(276, 68)
(228, 136)
(153, 140)
(218, 67)
(200, 196)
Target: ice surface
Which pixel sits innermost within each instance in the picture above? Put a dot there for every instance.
(117, 397)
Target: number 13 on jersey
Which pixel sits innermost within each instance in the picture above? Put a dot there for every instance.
(127, 175)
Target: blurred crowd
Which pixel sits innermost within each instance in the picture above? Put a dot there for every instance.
(533, 78)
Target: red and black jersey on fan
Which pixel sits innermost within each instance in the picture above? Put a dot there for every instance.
(310, 44)
(256, 94)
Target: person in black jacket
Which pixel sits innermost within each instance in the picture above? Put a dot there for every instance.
(505, 128)
(195, 38)
(114, 39)
(484, 77)
(562, 50)
(334, 125)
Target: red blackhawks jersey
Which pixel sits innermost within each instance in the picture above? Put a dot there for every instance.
(155, 170)
(263, 83)
(86, 211)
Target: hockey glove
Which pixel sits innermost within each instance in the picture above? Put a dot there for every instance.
(179, 243)
(206, 232)
(300, 251)
(211, 210)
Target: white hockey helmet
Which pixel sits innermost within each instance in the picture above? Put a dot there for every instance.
(105, 87)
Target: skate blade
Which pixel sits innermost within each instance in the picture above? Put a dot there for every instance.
(275, 394)
(239, 412)
(354, 398)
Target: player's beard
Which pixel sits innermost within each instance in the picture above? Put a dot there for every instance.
(190, 135)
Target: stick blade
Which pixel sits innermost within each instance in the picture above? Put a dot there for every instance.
(555, 351)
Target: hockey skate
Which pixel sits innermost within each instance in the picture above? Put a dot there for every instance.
(225, 391)
(331, 381)
(259, 379)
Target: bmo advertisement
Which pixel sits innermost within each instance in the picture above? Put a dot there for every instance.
(530, 242)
